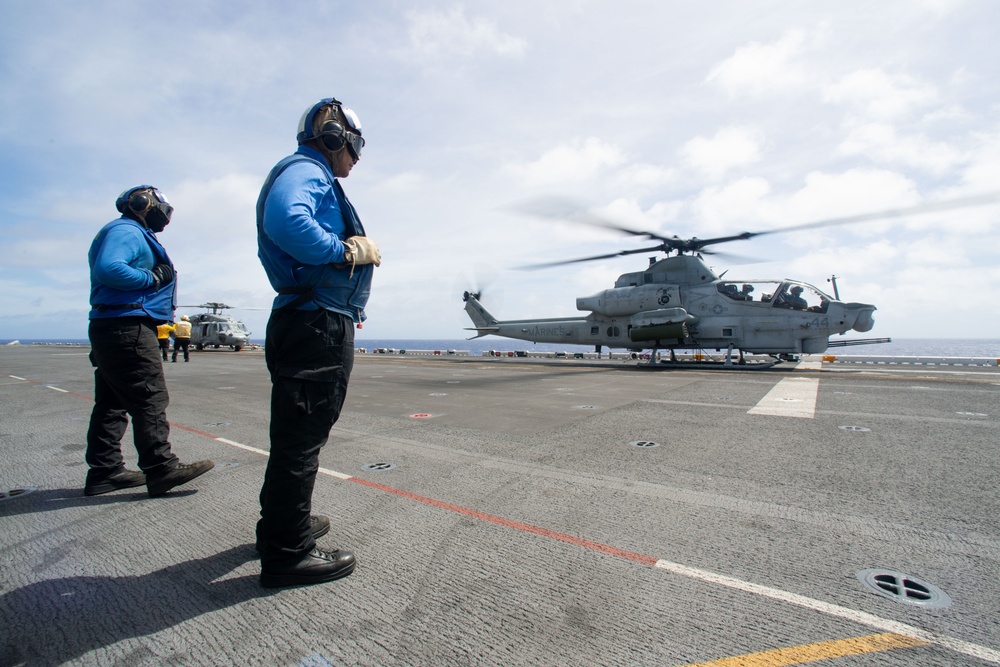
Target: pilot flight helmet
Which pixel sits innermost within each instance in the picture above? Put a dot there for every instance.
(338, 126)
(145, 204)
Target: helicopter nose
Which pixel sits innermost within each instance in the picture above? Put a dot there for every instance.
(864, 321)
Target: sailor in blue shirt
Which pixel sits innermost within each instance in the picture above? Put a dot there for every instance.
(319, 260)
(132, 289)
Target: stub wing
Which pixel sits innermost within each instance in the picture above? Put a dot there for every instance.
(482, 331)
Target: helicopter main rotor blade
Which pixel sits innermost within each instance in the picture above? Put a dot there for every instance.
(553, 207)
(564, 209)
(590, 259)
(944, 205)
(696, 244)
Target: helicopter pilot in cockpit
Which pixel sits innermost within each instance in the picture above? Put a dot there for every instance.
(795, 300)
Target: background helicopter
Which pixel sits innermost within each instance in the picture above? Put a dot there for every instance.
(213, 329)
(680, 303)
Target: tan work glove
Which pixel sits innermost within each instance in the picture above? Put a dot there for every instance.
(361, 250)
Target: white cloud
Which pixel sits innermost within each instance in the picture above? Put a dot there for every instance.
(212, 239)
(942, 7)
(720, 210)
(761, 68)
(880, 143)
(440, 34)
(579, 160)
(815, 262)
(405, 183)
(855, 191)
(875, 94)
(921, 289)
(731, 147)
(982, 172)
(629, 213)
(644, 177)
(40, 251)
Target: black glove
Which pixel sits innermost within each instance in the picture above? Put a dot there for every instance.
(163, 274)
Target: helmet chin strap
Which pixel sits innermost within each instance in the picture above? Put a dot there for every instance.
(138, 217)
(157, 224)
(332, 157)
(328, 155)
(156, 220)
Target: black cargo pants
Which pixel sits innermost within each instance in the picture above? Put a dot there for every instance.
(128, 381)
(181, 344)
(309, 354)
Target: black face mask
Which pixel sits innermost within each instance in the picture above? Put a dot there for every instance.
(158, 217)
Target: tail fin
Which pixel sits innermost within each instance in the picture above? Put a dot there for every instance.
(484, 321)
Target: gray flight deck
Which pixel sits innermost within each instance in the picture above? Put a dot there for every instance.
(522, 512)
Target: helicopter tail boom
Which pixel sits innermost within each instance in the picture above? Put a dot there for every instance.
(482, 318)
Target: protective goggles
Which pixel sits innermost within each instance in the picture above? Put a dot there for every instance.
(355, 142)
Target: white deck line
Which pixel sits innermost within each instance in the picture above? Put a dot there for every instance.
(792, 397)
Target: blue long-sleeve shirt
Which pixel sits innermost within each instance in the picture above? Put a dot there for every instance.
(121, 259)
(303, 217)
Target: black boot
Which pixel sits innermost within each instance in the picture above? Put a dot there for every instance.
(316, 567)
(157, 485)
(121, 479)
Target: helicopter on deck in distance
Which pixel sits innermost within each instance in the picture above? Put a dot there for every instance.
(213, 329)
(680, 303)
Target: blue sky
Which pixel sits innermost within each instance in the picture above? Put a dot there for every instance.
(695, 119)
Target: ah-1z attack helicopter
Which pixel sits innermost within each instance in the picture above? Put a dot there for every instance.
(217, 330)
(680, 303)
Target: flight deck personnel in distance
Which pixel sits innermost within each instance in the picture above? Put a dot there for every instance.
(317, 257)
(182, 337)
(132, 289)
(163, 332)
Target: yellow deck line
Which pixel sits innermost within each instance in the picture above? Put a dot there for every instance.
(797, 655)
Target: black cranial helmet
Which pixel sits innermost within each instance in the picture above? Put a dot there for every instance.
(145, 204)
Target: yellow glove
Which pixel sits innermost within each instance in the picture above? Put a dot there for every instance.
(361, 250)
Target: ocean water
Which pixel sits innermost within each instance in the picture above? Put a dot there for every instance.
(901, 347)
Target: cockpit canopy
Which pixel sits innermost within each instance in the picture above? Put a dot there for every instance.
(788, 294)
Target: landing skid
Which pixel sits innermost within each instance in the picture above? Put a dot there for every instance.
(742, 365)
(709, 365)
